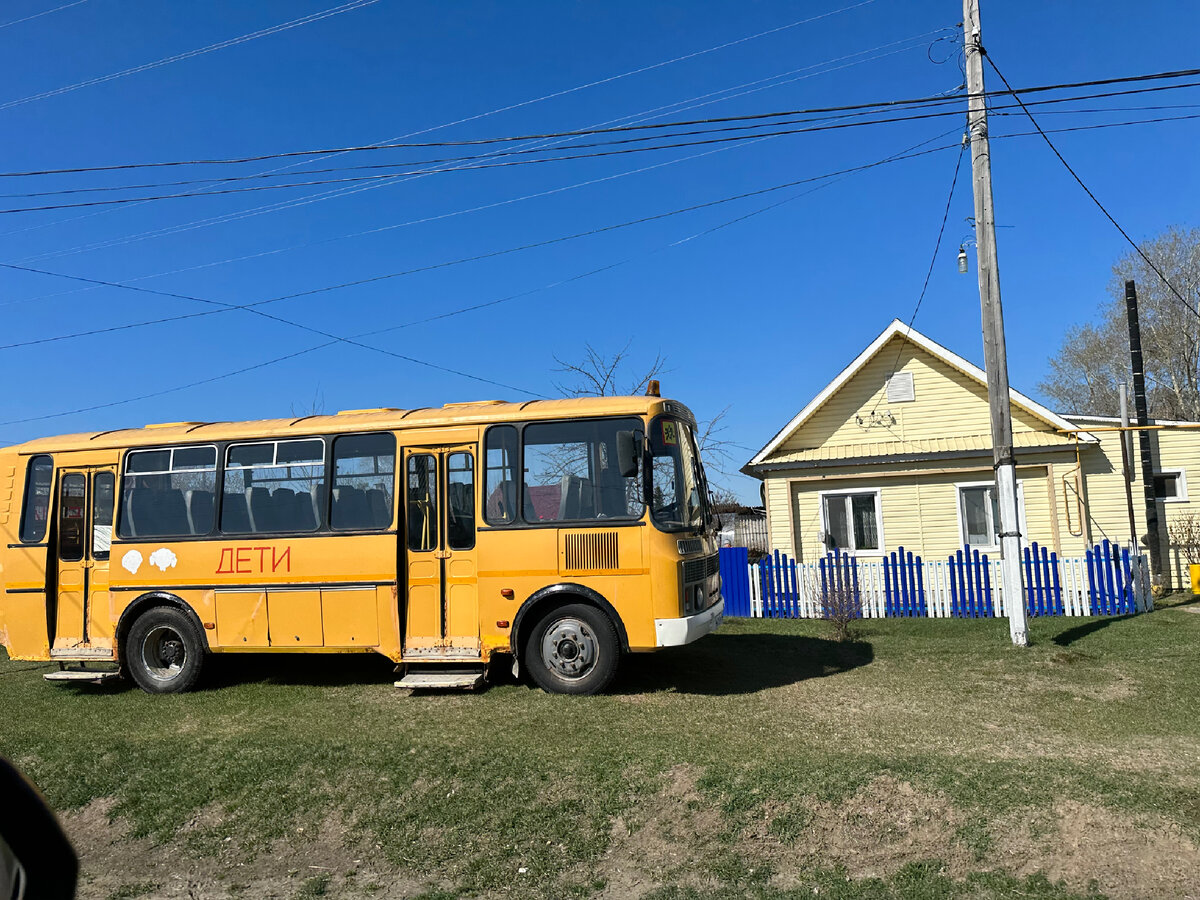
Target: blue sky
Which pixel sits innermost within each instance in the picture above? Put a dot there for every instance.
(756, 316)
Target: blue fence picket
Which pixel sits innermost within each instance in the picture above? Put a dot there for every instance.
(1043, 590)
(979, 600)
(1111, 579)
(988, 607)
(1127, 600)
(734, 566)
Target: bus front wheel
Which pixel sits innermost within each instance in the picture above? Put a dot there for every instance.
(163, 652)
(573, 650)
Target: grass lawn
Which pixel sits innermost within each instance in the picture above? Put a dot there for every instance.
(929, 758)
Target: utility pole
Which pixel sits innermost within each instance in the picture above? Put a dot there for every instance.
(1143, 419)
(1127, 465)
(995, 360)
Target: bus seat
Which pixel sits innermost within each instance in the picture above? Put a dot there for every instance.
(259, 501)
(169, 513)
(283, 509)
(379, 508)
(505, 502)
(575, 502)
(316, 497)
(199, 511)
(235, 513)
(350, 508)
(129, 525)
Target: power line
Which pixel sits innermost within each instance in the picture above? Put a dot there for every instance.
(323, 195)
(1088, 190)
(493, 165)
(167, 60)
(937, 246)
(426, 268)
(445, 264)
(500, 154)
(879, 105)
(907, 153)
(43, 13)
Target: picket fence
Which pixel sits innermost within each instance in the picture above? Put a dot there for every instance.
(1107, 580)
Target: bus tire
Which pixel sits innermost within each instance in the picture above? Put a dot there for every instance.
(573, 649)
(163, 652)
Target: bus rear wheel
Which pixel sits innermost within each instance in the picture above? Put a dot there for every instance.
(163, 652)
(573, 650)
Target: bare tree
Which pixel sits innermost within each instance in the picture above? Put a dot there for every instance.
(598, 375)
(314, 407)
(1095, 357)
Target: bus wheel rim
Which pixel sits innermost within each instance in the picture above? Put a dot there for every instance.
(569, 649)
(163, 652)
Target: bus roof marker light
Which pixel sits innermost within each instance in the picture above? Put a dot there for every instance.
(652, 389)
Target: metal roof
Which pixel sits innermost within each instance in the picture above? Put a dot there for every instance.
(450, 415)
(981, 443)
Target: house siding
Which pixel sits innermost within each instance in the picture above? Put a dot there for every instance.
(949, 403)
(919, 509)
(917, 453)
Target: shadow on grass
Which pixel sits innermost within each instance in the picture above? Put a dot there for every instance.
(313, 669)
(717, 665)
(739, 664)
(723, 664)
(1071, 635)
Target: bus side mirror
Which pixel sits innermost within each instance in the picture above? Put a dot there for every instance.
(627, 453)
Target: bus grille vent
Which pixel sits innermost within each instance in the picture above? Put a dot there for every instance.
(699, 569)
(593, 550)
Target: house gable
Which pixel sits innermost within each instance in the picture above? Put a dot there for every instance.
(949, 402)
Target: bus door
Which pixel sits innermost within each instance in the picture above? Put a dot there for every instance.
(442, 601)
(84, 528)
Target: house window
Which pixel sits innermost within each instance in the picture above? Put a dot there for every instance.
(1170, 485)
(979, 514)
(852, 521)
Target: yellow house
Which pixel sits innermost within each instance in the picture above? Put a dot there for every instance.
(896, 451)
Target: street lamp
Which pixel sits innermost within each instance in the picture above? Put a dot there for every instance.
(963, 263)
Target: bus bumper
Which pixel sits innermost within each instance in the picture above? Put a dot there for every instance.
(675, 632)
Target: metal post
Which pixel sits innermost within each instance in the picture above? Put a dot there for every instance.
(1127, 465)
(995, 361)
(1143, 419)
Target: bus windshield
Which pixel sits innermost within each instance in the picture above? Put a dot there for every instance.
(677, 489)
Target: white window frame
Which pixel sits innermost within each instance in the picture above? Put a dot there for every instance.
(962, 534)
(821, 495)
(1182, 496)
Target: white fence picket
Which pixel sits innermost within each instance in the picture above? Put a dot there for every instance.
(938, 577)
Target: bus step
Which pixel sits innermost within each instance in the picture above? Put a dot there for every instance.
(441, 678)
(86, 676)
(78, 654)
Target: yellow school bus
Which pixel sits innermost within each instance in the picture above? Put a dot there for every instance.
(561, 532)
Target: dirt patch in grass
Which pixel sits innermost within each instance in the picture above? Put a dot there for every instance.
(114, 863)
(1127, 856)
(873, 833)
(664, 838)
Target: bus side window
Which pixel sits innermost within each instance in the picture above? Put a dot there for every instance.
(103, 495)
(34, 516)
(364, 472)
(167, 492)
(72, 516)
(422, 505)
(460, 474)
(500, 475)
